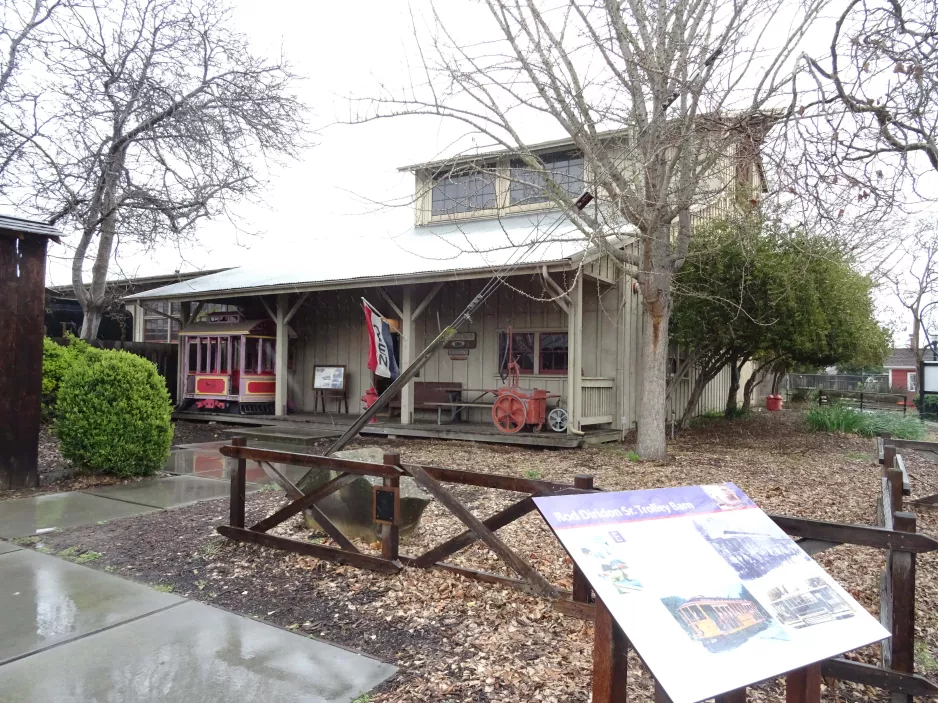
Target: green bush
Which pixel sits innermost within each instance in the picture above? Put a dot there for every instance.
(113, 415)
(57, 360)
(843, 418)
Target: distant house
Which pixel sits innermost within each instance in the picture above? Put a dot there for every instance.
(153, 321)
(901, 369)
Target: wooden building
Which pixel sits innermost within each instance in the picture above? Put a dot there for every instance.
(22, 296)
(576, 317)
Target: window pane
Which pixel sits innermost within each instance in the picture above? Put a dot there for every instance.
(251, 346)
(528, 186)
(522, 350)
(155, 329)
(553, 349)
(464, 192)
(269, 356)
(174, 331)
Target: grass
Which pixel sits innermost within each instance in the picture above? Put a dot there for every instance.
(164, 587)
(364, 698)
(842, 418)
(532, 473)
(86, 557)
(632, 456)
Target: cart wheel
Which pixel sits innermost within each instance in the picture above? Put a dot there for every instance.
(557, 420)
(508, 413)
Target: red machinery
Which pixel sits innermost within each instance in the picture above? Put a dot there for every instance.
(514, 406)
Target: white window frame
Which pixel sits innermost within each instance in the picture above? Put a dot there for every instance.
(910, 381)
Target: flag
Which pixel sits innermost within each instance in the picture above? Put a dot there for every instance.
(381, 357)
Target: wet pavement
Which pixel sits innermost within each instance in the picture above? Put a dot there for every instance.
(7, 547)
(72, 634)
(28, 516)
(205, 461)
(166, 493)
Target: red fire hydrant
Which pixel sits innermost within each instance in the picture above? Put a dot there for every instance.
(773, 402)
(369, 399)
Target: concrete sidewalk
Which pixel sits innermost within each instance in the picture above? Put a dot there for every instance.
(72, 634)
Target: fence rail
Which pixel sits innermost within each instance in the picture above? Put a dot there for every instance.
(896, 534)
(599, 400)
(839, 382)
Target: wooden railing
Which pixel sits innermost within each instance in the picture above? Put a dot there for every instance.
(598, 401)
(896, 535)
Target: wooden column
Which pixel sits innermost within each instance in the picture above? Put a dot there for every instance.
(182, 351)
(575, 355)
(804, 685)
(238, 486)
(390, 542)
(22, 304)
(610, 663)
(280, 365)
(407, 350)
(582, 591)
(900, 572)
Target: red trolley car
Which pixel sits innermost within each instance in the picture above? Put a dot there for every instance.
(230, 364)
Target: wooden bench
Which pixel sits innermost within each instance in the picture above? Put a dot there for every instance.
(427, 394)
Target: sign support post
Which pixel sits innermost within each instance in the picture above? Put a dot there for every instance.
(610, 662)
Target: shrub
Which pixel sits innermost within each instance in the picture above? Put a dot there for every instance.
(57, 360)
(113, 415)
(843, 418)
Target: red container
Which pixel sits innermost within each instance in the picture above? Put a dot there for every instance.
(773, 402)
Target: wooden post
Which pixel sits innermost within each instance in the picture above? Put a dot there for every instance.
(900, 573)
(610, 665)
(280, 363)
(238, 486)
(804, 685)
(737, 696)
(581, 587)
(889, 454)
(661, 695)
(390, 542)
(407, 353)
(894, 479)
(575, 355)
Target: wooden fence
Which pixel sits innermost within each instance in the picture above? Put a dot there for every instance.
(896, 535)
(164, 356)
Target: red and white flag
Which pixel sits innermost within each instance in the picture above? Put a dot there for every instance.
(381, 357)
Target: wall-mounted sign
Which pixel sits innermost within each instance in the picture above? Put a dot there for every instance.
(713, 594)
(461, 340)
(387, 504)
(329, 378)
(458, 354)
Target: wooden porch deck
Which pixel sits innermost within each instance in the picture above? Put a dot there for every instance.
(305, 428)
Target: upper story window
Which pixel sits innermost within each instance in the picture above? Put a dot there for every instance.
(529, 186)
(462, 192)
(157, 327)
(500, 186)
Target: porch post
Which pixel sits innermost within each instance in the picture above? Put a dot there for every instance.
(280, 365)
(182, 351)
(407, 347)
(575, 355)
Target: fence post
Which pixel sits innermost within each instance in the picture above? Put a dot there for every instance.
(238, 486)
(900, 568)
(390, 541)
(581, 587)
(610, 663)
(804, 685)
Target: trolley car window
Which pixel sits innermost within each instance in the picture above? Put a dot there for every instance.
(268, 358)
(251, 354)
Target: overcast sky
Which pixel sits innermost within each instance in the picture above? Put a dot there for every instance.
(337, 187)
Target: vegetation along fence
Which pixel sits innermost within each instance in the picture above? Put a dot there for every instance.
(896, 535)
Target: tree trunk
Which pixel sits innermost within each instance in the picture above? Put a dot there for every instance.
(651, 440)
(750, 386)
(91, 321)
(731, 399)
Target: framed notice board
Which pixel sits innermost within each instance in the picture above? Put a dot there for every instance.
(329, 378)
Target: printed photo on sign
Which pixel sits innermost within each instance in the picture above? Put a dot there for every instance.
(721, 622)
(711, 593)
(747, 547)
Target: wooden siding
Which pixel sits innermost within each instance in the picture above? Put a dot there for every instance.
(330, 330)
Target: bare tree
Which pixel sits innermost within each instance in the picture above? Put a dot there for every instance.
(881, 70)
(914, 279)
(21, 25)
(657, 96)
(156, 115)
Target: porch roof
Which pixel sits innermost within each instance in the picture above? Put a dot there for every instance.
(451, 251)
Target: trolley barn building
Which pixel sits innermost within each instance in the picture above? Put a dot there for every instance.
(575, 318)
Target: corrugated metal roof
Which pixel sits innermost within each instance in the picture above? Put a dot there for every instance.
(19, 224)
(480, 246)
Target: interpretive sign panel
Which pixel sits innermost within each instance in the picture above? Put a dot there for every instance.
(711, 593)
(329, 378)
